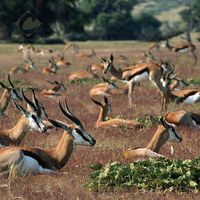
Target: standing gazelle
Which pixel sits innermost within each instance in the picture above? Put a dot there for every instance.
(8, 94)
(181, 48)
(138, 73)
(37, 160)
(163, 134)
(106, 109)
(30, 120)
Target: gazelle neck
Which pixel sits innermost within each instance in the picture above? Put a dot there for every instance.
(160, 138)
(102, 116)
(62, 153)
(56, 88)
(19, 131)
(115, 72)
(5, 100)
(27, 67)
(168, 46)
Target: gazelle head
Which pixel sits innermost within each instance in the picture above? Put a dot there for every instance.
(165, 132)
(35, 121)
(13, 92)
(76, 130)
(53, 64)
(40, 108)
(112, 85)
(149, 56)
(58, 84)
(106, 107)
(20, 47)
(30, 62)
(107, 64)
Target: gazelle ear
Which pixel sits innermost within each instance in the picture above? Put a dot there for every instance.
(4, 86)
(106, 100)
(111, 58)
(154, 121)
(164, 123)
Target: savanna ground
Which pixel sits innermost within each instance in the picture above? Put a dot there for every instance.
(110, 142)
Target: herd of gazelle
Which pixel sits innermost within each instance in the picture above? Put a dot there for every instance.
(37, 160)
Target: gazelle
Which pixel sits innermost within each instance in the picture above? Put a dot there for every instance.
(51, 69)
(8, 94)
(70, 45)
(180, 96)
(53, 92)
(138, 73)
(97, 68)
(182, 117)
(102, 89)
(106, 109)
(181, 48)
(37, 160)
(165, 133)
(29, 120)
(29, 65)
(62, 62)
(149, 58)
(152, 47)
(83, 75)
(84, 55)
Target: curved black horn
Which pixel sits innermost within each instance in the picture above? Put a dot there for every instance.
(35, 101)
(68, 114)
(28, 101)
(105, 80)
(171, 72)
(50, 82)
(10, 81)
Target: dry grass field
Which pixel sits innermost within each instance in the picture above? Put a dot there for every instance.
(110, 142)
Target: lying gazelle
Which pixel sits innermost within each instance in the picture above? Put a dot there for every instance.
(53, 92)
(182, 117)
(165, 133)
(30, 120)
(8, 94)
(51, 69)
(37, 160)
(106, 109)
(84, 55)
(149, 58)
(102, 89)
(179, 96)
(62, 62)
(180, 48)
(138, 73)
(83, 75)
(29, 65)
(97, 68)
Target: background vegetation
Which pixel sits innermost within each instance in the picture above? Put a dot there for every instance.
(100, 19)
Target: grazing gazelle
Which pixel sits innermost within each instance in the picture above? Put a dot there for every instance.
(62, 62)
(165, 133)
(106, 109)
(51, 69)
(182, 117)
(83, 75)
(29, 65)
(181, 48)
(38, 160)
(8, 94)
(138, 73)
(30, 120)
(53, 92)
(152, 47)
(102, 89)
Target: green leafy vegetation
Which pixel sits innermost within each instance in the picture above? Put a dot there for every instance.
(192, 81)
(160, 174)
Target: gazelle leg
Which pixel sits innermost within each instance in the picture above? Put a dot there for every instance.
(130, 91)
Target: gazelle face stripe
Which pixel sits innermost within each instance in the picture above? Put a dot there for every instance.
(36, 123)
(82, 137)
(107, 67)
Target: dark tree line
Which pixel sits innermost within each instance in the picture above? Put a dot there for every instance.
(86, 19)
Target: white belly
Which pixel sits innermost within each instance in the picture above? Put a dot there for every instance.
(183, 50)
(141, 78)
(193, 98)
